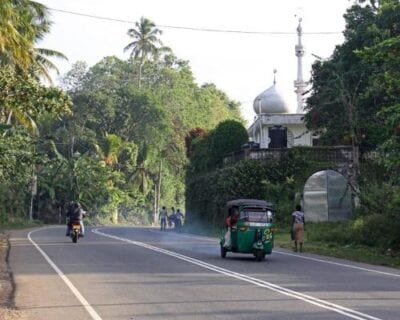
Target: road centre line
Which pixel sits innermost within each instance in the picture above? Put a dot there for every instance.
(260, 283)
(186, 235)
(301, 256)
(74, 290)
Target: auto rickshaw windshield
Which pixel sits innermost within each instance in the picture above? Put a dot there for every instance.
(256, 215)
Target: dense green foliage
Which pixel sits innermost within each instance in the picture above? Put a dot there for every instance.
(228, 137)
(23, 101)
(23, 24)
(149, 121)
(356, 100)
(119, 148)
(355, 93)
(206, 150)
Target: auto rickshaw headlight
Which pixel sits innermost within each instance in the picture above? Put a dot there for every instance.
(243, 228)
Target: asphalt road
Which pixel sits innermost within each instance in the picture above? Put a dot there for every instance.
(141, 273)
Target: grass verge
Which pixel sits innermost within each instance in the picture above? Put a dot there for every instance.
(353, 252)
(18, 223)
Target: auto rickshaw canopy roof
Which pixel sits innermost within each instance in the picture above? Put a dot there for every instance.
(249, 203)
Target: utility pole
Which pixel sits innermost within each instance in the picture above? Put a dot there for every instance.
(157, 193)
(33, 195)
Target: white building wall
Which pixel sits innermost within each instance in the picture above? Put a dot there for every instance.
(301, 137)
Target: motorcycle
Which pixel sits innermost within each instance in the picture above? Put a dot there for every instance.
(75, 230)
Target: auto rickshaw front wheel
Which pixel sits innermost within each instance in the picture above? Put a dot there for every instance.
(223, 252)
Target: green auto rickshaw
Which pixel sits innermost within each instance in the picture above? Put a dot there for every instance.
(250, 228)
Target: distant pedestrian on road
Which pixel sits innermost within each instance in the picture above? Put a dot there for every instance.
(171, 217)
(298, 224)
(163, 218)
(178, 219)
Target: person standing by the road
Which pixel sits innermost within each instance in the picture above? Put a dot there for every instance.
(163, 218)
(298, 224)
(178, 219)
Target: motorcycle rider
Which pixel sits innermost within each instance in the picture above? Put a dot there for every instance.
(75, 212)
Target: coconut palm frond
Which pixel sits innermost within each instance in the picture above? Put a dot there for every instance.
(56, 152)
(24, 119)
(41, 71)
(51, 53)
(43, 65)
(145, 39)
(114, 146)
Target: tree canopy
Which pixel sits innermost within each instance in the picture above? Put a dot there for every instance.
(355, 91)
(135, 132)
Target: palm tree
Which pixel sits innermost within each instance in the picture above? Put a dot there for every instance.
(36, 16)
(109, 152)
(145, 42)
(15, 47)
(23, 23)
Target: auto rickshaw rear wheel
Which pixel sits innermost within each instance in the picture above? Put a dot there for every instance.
(223, 252)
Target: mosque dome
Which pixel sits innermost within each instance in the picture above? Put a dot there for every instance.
(271, 101)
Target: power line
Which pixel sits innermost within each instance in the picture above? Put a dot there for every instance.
(194, 28)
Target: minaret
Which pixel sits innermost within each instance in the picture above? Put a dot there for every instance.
(299, 84)
(275, 71)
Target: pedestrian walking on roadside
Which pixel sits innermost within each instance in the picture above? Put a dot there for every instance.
(163, 218)
(178, 219)
(298, 227)
(171, 218)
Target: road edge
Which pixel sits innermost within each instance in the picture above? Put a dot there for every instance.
(7, 282)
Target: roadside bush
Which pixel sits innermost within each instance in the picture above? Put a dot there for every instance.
(330, 232)
(3, 218)
(379, 221)
(372, 230)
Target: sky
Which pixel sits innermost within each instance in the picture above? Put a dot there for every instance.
(240, 64)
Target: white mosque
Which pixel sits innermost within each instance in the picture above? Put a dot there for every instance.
(275, 126)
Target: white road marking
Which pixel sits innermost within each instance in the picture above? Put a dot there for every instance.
(338, 264)
(74, 290)
(301, 256)
(260, 283)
